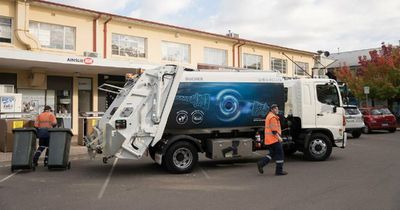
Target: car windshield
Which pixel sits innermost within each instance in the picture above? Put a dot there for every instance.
(351, 110)
(376, 112)
(385, 111)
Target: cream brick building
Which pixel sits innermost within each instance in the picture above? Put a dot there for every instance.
(58, 54)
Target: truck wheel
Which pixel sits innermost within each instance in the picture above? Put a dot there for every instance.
(181, 157)
(319, 147)
(356, 134)
(392, 130)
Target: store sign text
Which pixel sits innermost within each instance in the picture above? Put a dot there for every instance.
(81, 60)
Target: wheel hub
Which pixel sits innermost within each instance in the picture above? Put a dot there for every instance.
(318, 147)
(182, 158)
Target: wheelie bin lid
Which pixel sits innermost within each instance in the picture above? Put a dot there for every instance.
(61, 130)
(24, 130)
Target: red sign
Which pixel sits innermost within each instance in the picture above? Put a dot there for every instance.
(88, 60)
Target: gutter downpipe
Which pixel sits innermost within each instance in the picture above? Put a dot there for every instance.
(239, 53)
(95, 23)
(22, 26)
(105, 37)
(233, 52)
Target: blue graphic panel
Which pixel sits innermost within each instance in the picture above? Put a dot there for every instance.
(222, 105)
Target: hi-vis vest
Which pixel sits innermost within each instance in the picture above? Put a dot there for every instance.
(45, 120)
(272, 123)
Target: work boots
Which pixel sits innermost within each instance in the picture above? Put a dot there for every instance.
(260, 166)
(279, 170)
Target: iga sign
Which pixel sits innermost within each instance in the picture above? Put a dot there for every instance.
(87, 61)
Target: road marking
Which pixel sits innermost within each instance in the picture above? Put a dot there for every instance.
(204, 172)
(103, 189)
(9, 176)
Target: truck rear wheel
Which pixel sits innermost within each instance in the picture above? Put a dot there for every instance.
(181, 157)
(319, 147)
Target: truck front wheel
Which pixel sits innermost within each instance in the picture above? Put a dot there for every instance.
(319, 147)
(181, 157)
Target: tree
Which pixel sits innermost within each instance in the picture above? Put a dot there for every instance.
(381, 73)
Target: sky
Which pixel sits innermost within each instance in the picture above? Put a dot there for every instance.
(311, 25)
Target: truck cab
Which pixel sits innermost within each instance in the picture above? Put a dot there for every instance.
(314, 107)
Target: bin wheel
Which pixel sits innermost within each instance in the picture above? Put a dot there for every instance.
(33, 168)
(105, 159)
(12, 169)
(69, 165)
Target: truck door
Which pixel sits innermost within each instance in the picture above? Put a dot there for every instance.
(327, 110)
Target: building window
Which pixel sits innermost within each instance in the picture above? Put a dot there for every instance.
(5, 30)
(215, 56)
(131, 46)
(300, 71)
(175, 52)
(53, 36)
(252, 61)
(279, 65)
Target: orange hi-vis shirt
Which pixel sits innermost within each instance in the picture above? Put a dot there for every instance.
(45, 120)
(272, 123)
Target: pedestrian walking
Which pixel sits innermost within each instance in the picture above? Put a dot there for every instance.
(273, 141)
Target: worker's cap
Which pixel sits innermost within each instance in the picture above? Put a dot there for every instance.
(273, 106)
(47, 108)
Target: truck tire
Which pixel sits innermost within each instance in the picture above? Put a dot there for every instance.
(392, 130)
(356, 133)
(181, 157)
(319, 147)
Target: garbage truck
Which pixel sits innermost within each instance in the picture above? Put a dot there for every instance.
(172, 114)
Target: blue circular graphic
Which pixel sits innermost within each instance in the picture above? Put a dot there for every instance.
(228, 104)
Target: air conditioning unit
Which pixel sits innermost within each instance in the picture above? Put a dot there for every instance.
(233, 35)
(91, 54)
(6, 88)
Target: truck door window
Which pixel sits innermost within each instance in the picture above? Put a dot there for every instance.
(328, 94)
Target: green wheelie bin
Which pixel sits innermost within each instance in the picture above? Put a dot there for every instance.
(59, 145)
(24, 148)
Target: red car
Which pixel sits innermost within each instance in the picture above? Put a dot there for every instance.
(378, 119)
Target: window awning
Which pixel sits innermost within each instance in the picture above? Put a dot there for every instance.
(14, 59)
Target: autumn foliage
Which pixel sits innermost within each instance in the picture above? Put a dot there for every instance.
(381, 73)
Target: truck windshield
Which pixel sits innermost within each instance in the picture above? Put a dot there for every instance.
(328, 94)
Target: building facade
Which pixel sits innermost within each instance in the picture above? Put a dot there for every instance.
(58, 55)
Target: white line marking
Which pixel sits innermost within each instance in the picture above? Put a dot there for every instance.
(103, 189)
(204, 172)
(9, 176)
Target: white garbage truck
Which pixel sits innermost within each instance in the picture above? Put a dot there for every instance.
(173, 114)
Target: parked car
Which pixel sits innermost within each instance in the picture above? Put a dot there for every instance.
(354, 120)
(378, 119)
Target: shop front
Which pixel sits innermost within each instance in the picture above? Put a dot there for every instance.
(66, 83)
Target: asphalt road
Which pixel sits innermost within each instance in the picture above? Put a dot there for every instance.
(365, 175)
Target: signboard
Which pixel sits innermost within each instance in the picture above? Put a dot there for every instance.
(7, 104)
(86, 61)
(18, 124)
(366, 90)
